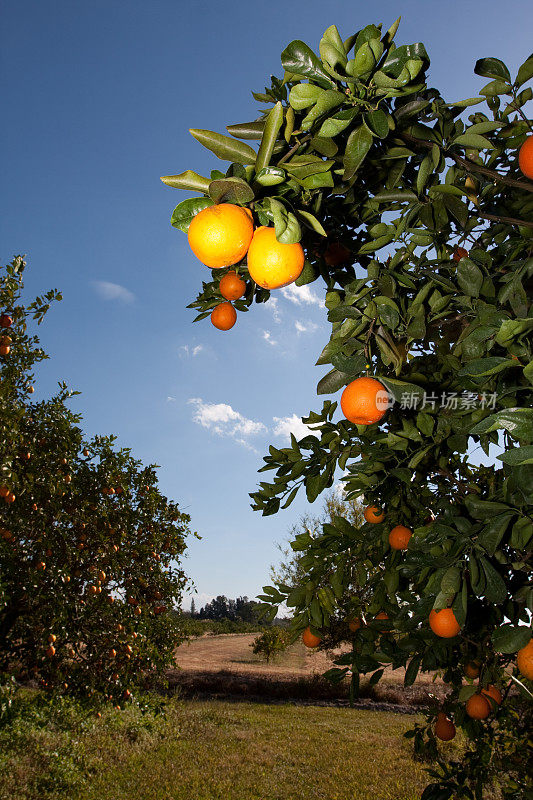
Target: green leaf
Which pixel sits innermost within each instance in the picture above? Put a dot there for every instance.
(511, 638)
(187, 180)
(309, 274)
(224, 147)
(512, 329)
(299, 58)
(286, 225)
(518, 421)
(378, 123)
(492, 68)
(303, 95)
(328, 100)
(481, 509)
(469, 277)
(358, 144)
(412, 670)
(525, 73)
(247, 130)
(518, 455)
(494, 88)
(495, 590)
(486, 366)
(492, 533)
(474, 140)
(349, 365)
(184, 212)
(231, 190)
(332, 382)
(331, 48)
(312, 221)
(338, 122)
(273, 124)
(313, 487)
(270, 176)
(451, 581)
(400, 388)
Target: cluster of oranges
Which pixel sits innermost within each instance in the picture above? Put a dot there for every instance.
(6, 321)
(222, 235)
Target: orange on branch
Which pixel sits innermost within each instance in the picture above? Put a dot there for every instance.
(443, 623)
(459, 253)
(220, 235)
(494, 693)
(525, 158)
(477, 707)
(309, 638)
(354, 624)
(524, 660)
(444, 727)
(272, 264)
(472, 669)
(364, 401)
(223, 316)
(382, 615)
(373, 514)
(399, 537)
(232, 287)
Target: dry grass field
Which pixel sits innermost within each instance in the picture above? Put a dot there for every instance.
(225, 664)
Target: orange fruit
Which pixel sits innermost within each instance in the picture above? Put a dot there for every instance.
(50, 651)
(10, 497)
(4, 491)
(272, 264)
(444, 727)
(472, 669)
(459, 253)
(309, 638)
(443, 623)
(399, 537)
(524, 660)
(223, 316)
(373, 514)
(477, 707)
(525, 158)
(364, 401)
(6, 321)
(494, 693)
(231, 286)
(4, 349)
(220, 235)
(52, 638)
(354, 624)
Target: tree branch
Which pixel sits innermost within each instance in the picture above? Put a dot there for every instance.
(293, 150)
(471, 166)
(510, 220)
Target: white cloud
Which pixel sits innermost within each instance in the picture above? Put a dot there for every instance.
(113, 291)
(171, 399)
(305, 327)
(286, 425)
(267, 336)
(301, 295)
(190, 350)
(222, 419)
(272, 305)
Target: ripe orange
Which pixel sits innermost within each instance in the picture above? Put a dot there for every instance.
(6, 321)
(50, 651)
(477, 707)
(373, 514)
(472, 669)
(4, 491)
(399, 537)
(232, 287)
(443, 623)
(223, 316)
(220, 235)
(52, 638)
(524, 660)
(525, 158)
(10, 498)
(271, 264)
(354, 624)
(309, 638)
(444, 727)
(494, 693)
(459, 253)
(364, 401)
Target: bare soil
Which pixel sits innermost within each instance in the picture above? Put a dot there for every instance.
(224, 666)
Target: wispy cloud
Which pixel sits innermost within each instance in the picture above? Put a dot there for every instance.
(223, 420)
(190, 351)
(305, 327)
(267, 336)
(113, 291)
(301, 295)
(171, 399)
(286, 425)
(273, 306)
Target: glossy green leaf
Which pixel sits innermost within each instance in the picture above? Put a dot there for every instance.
(299, 58)
(270, 176)
(518, 421)
(247, 130)
(511, 638)
(377, 122)
(187, 180)
(224, 147)
(525, 73)
(231, 190)
(357, 147)
(304, 95)
(332, 382)
(184, 212)
(492, 68)
(517, 455)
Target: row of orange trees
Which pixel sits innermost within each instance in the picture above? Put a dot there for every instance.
(89, 547)
(416, 212)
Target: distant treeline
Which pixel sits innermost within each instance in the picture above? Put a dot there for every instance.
(224, 615)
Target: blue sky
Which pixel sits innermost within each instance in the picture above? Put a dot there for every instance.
(98, 99)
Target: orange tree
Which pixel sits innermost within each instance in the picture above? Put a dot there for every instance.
(89, 548)
(417, 215)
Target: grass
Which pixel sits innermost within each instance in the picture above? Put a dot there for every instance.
(205, 750)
